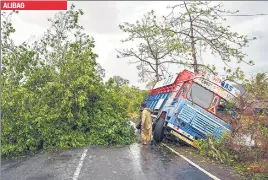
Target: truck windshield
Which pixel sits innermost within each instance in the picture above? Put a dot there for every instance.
(200, 95)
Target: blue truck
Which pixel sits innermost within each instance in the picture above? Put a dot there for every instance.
(191, 106)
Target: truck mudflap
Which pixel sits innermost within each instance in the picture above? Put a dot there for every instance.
(182, 135)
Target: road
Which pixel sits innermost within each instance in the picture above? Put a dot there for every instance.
(134, 162)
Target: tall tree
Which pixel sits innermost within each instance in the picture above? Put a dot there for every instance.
(154, 49)
(198, 23)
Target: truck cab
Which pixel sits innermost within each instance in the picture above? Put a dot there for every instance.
(192, 106)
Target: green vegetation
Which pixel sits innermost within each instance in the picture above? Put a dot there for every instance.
(248, 160)
(54, 95)
(177, 38)
(216, 149)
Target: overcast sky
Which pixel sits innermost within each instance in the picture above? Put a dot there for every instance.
(101, 20)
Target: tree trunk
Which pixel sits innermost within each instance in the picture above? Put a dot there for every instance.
(157, 70)
(192, 40)
(193, 51)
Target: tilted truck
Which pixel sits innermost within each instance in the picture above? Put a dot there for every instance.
(191, 106)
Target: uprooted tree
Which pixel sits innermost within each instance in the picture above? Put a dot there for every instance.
(53, 94)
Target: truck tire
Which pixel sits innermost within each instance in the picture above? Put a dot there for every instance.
(159, 130)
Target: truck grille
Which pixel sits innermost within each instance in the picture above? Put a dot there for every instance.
(205, 125)
(187, 114)
(200, 122)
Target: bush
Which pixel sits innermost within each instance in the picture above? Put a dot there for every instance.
(217, 149)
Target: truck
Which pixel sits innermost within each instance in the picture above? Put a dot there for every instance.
(190, 106)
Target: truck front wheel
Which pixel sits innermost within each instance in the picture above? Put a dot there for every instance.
(159, 130)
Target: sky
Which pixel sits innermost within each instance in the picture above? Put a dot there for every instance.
(101, 20)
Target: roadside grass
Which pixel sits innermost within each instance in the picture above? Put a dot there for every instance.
(255, 170)
(195, 155)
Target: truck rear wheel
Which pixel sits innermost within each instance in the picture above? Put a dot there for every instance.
(159, 130)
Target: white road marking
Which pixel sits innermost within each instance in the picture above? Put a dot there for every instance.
(191, 162)
(80, 164)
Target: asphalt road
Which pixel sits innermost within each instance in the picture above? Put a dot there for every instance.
(135, 162)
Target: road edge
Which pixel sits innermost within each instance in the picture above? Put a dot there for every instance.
(186, 159)
(191, 162)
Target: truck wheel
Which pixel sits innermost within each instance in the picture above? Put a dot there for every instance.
(159, 130)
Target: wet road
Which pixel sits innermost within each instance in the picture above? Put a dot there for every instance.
(133, 162)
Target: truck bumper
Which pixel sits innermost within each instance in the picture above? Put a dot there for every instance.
(182, 135)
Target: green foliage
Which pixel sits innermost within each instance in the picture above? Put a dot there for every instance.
(216, 149)
(257, 86)
(200, 25)
(132, 96)
(264, 130)
(54, 95)
(155, 47)
(260, 176)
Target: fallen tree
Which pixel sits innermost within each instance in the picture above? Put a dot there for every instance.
(53, 93)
